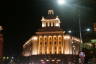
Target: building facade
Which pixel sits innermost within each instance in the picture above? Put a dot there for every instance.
(94, 27)
(1, 41)
(50, 39)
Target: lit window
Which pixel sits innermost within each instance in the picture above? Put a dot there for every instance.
(45, 43)
(47, 60)
(53, 60)
(58, 60)
(41, 60)
(54, 42)
(59, 42)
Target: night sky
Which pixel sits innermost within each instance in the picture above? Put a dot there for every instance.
(21, 19)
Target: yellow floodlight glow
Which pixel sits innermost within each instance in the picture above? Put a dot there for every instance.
(26, 54)
(66, 37)
(43, 25)
(57, 24)
(34, 52)
(34, 38)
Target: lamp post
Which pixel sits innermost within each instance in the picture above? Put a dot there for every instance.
(80, 29)
(64, 2)
(80, 33)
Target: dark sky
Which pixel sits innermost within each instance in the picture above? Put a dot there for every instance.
(21, 18)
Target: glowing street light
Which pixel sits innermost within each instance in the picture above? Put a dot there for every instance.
(61, 2)
(69, 31)
(88, 29)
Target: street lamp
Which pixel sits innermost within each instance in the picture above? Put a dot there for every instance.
(69, 31)
(80, 29)
(61, 2)
(88, 29)
(79, 21)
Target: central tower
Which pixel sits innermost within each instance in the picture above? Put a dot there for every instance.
(51, 20)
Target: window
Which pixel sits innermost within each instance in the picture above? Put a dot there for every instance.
(59, 42)
(54, 42)
(50, 43)
(45, 43)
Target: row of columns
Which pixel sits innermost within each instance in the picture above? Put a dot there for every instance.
(52, 45)
(50, 24)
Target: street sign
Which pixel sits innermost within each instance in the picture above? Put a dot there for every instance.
(82, 54)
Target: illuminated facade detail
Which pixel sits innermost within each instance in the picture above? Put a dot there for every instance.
(50, 22)
(50, 12)
(51, 39)
(1, 41)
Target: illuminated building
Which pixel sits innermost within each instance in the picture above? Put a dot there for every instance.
(1, 41)
(94, 27)
(50, 39)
